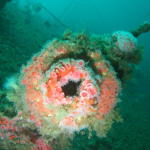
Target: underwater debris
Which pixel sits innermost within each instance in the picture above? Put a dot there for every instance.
(38, 7)
(125, 41)
(145, 27)
(72, 85)
(43, 97)
(123, 51)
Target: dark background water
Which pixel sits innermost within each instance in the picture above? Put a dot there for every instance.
(25, 35)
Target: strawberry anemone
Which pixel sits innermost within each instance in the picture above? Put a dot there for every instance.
(67, 88)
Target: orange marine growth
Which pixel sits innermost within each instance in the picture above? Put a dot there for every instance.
(109, 92)
(66, 89)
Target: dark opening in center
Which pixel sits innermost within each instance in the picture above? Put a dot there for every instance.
(71, 88)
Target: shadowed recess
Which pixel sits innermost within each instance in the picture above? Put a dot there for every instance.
(71, 88)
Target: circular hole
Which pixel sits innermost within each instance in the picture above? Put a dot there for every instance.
(71, 88)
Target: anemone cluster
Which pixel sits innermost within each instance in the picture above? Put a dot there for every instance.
(68, 91)
(72, 84)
